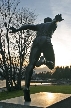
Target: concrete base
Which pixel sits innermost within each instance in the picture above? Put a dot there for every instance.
(42, 99)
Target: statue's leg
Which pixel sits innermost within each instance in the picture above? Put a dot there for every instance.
(34, 55)
(49, 56)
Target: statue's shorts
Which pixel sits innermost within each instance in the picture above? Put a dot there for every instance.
(42, 44)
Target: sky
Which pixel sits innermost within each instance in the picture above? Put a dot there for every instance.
(61, 39)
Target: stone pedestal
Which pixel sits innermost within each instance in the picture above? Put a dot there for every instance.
(38, 100)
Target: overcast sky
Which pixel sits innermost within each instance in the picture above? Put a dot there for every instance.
(61, 39)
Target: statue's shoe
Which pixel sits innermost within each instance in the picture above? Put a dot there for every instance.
(27, 95)
(40, 62)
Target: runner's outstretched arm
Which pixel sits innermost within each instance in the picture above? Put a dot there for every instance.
(24, 27)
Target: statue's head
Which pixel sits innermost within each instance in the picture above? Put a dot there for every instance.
(48, 19)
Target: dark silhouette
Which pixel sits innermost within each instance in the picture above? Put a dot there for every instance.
(41, 44)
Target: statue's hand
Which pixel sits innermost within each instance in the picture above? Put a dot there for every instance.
(13, 30)
(58, 18)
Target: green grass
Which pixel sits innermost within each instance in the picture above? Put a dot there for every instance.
(53, 88)
(8, 95)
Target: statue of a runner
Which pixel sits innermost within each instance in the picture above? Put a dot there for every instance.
(41, 44)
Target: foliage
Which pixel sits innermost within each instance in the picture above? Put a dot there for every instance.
(43, 75)
(62, 73)
(59, 73)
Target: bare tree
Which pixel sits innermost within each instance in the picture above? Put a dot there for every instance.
(17, 44)
(25, 37)
(6, 17)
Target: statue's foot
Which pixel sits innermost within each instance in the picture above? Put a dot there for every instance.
(50, 64)
(27, 95)
(40, 62)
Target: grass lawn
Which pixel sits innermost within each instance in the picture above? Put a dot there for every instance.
(35, 89)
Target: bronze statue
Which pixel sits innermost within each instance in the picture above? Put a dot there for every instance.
(41, 44)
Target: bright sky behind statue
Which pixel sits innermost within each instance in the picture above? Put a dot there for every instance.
(61, 39)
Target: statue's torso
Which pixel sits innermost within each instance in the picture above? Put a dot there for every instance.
(42, 29)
